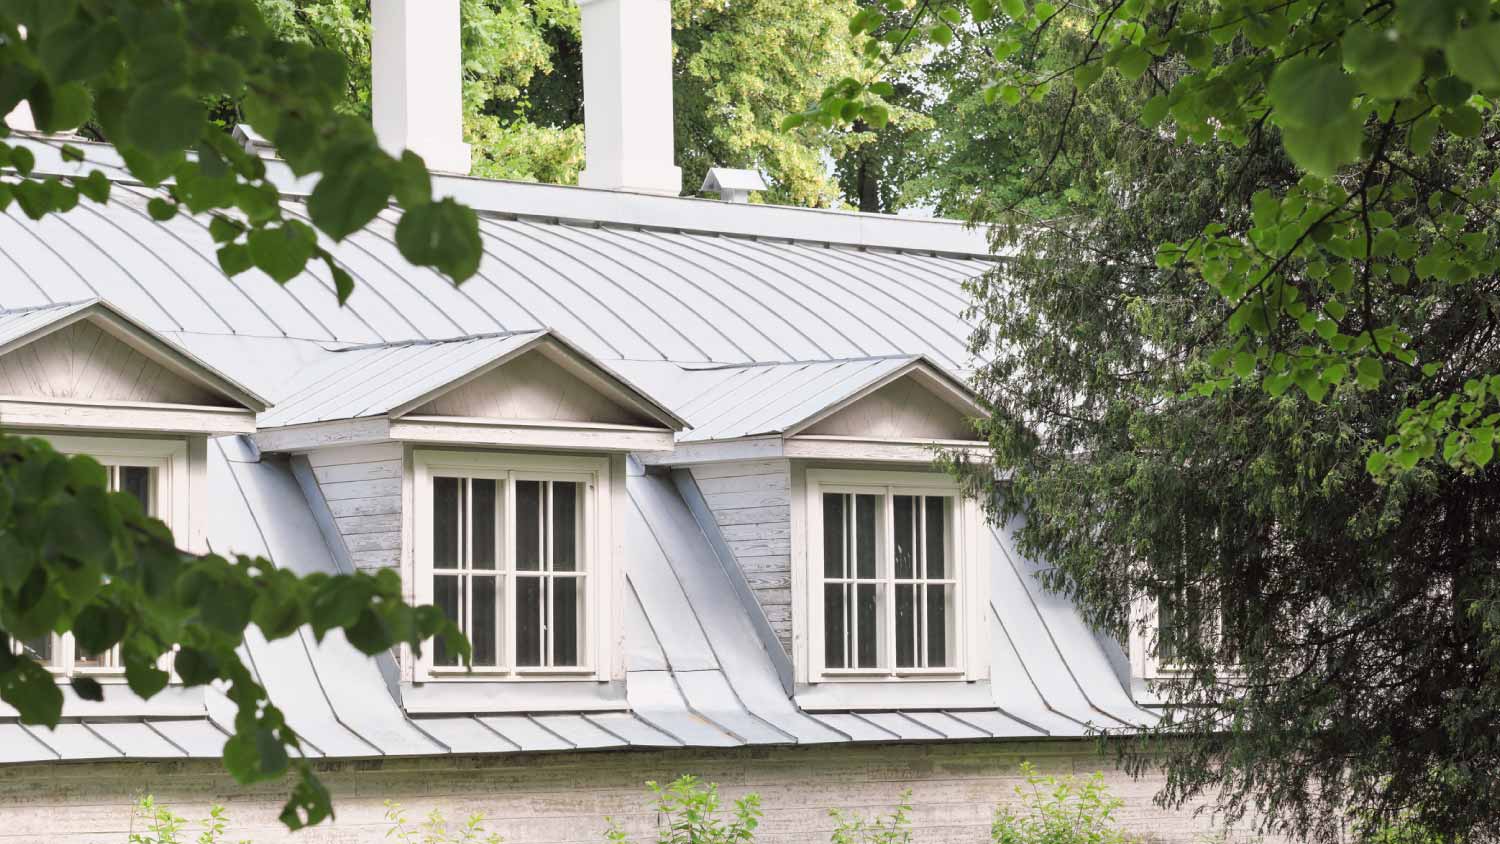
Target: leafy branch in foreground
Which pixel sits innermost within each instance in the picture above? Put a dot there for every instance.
(77, 558)
(1337, 269)
(146, 76)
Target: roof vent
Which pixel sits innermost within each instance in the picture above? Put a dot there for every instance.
(732, 185)
(253, 142)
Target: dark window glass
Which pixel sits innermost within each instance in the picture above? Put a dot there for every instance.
(833, 625)
(446, 517)
(136, 481)
(486, 608)
(39, 649)
(906, 535)
(866, 534)
(446, 595)
(529, 525)
(937, 626)
(834, 525)
(566, 632)
(484, 515)
(868, 626)
(564, 526)
(528, 621)
(935, 531)
(906, 624)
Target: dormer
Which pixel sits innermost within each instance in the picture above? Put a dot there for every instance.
(490, 471)
(867, 561)
(91, 380)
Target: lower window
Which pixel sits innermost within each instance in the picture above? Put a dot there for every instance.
(507, 556)
(888, 578)
(59, 652)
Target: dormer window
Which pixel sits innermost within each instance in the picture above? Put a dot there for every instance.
(894, 566)
(508, 547)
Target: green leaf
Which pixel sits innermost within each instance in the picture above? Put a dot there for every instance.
(1322, 151)
(95, 186)
(1244, 364)
(875, 115)
(1014, 9)
(282, 251)
(33, 692)
(222, 229)
(1421, 134)
(1368, 373)
(1464, 121)
(1474, 54)
(343, 283)
(1132, 61)
(87, 688)
(792, 121)
(442, 234)
(1480, 453)
(1086, 75)
(163, 120)
(981, 10)
(350, 193)
(60, 108)
(1310, 93)
(1377, 461)
(161, 210)
(1385, 67)
(941, 34)
(883, 89)
(234, 258)
(1155, 110)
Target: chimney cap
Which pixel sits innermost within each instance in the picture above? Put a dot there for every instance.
(732, 185)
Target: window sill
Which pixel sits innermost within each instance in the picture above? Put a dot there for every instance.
(880, 675)
(520, 675)
(492, 695)
(885, 692)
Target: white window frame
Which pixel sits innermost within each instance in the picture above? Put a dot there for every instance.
(1145, 642)
(169, 460)
(596, 547)
(971, 571)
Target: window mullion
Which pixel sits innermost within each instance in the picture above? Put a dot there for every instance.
(851, 618)
(885, 572)
(508, 578)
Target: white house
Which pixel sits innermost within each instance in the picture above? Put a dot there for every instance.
(667, 460)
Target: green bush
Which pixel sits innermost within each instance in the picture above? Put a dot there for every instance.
(855, 829)
(688, 813)
(163, 826)
(1059, 811)
(433, 829)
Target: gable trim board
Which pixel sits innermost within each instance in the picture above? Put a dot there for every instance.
(23, 327)
(136, 417)
(461, 430)
(814, 447)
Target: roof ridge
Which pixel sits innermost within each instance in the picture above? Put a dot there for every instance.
(437, 341)
(715, 367)
(51, 306)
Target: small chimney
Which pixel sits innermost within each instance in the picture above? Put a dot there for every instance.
(417, 81)
(627, 96)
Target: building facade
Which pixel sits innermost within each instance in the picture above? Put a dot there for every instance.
(667, 461)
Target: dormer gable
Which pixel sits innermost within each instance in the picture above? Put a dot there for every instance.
(529, 389)
(88, 365)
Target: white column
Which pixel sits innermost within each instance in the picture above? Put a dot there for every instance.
(627, 96)
(417, 81)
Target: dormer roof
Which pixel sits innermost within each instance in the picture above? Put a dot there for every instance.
(506, 380)
(88, 365)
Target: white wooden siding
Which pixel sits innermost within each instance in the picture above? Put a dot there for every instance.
(530, 387)
(903, 409)
(82, 361)
(362, 485)
(751, 501)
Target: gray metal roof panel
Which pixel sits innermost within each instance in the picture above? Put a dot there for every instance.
(632, 729)
(198, 737)
(526, 733)
(136, 740)
(19, 744)
(465, 734)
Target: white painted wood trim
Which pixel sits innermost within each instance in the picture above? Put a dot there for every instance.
(972, 656)
(143, 417)
(318, 435)
(529, 434)
(603, 539)
(944, 387)
(827, 447)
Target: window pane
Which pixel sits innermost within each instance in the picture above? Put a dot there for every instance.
(866, 533)
(868, 626)
(907, 624)
(136, 480)
(906, 535)
(935, 535)
(446, 512)
(833, 625)
(567, 631)
(1166, 628)
(84, 659)
(939, 620)
(486, 610)
(528, 620)
(529, 525)
(834, 525)
(565, 526)
(484, 518)
(40, 649)
(446, 596)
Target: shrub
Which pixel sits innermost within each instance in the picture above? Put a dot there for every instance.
(163, 826)
(1059, 811)
(688, 813)
(855, 829)
(433, 829)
